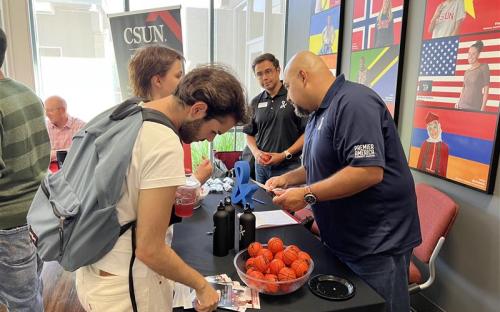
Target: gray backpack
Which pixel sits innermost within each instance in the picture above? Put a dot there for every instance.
(73, 217)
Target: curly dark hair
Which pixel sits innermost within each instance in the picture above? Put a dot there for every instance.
(217, 87)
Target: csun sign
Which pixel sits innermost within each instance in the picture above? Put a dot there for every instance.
(144, 34)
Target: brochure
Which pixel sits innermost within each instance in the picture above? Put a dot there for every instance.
(233, 296)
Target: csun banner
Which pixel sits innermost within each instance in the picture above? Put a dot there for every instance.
(133, 30)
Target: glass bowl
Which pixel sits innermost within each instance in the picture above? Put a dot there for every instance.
(268, 287)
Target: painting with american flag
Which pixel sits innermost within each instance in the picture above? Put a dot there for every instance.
(443, 63)
(455, 126)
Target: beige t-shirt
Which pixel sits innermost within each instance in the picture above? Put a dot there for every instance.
(157, 161)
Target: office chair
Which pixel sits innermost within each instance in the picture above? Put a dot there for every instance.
(437, 212)
(228, 158)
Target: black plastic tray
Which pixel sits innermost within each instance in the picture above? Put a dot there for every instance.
(332, 287)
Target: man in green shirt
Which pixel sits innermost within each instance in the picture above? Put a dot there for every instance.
(24, 159)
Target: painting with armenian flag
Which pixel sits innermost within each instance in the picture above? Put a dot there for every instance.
(456, 119)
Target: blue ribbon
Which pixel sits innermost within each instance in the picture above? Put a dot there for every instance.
(243, 190)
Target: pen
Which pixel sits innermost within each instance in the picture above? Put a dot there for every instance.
(259, 184)
(258, 200)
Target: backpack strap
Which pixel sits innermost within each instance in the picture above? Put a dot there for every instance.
(123, 229)
(156, 116)
(126, 108)
(130, 276)
(153, 115)
(130, 107)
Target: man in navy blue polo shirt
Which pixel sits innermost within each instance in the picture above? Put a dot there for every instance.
(357, 178)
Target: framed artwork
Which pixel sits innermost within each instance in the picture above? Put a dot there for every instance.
(377, 47)
(325, 33)
(455, 126)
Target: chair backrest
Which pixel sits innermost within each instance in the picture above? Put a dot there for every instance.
(437, 212)
(228, 158)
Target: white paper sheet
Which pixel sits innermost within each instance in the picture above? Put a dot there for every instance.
(264, 219)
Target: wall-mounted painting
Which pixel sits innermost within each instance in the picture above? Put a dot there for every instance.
(325, 32)
(455, 126)
(377, 47)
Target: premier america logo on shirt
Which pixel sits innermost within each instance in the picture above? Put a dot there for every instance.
(364, 151)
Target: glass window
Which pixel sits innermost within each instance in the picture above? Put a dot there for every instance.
(195, 26)
(76, 58)
(75, 54)
(244, 30)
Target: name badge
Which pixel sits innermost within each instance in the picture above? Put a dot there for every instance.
(262, 105)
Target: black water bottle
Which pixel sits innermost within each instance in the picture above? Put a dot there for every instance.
(230, 211)
(221, 228)
(247, 228)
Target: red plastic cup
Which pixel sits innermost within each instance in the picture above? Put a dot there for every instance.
(184, 210)
(185, 198)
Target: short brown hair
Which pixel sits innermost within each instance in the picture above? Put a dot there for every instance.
(217, 87)
(149, 61)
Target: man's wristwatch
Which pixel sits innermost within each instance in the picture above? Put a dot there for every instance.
(309, 197)
(288, 155)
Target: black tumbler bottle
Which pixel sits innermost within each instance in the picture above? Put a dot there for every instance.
(221, 228)
(230, 211)
(247, 228)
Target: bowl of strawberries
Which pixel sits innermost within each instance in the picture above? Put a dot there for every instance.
(273, 268)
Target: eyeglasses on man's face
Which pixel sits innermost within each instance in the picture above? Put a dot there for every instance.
(264, 73)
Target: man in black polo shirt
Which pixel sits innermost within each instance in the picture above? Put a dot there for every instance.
(275, 134)
(358, 181)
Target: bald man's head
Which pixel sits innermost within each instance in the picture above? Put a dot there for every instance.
(307, 79)
(55, 109)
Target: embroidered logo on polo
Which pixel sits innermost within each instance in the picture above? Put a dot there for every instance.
(364, 151)
(283, 104)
